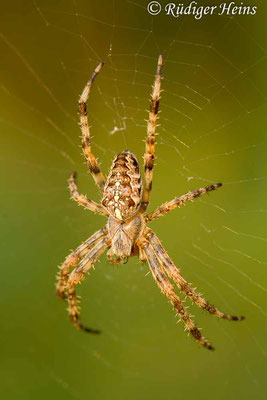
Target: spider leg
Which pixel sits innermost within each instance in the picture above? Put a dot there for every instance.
(167, 289)
(178, 201)
(149, 156)
(73, 258)
(174, 274)
(83, 200)
(86, 140)
(76, 276)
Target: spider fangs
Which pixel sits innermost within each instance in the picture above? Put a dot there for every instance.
(126, 234)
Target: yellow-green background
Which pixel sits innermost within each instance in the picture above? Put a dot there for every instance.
(212, 129)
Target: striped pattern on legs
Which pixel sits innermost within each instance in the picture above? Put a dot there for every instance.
(178, 201)
(76, 276)
(86, 140)
(149, 155)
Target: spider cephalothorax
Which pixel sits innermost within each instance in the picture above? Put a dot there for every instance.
(126, 233)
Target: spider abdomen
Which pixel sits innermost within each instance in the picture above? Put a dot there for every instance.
(122, 192)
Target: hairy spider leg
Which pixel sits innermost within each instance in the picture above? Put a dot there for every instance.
(82, 200)
(149, 155)
(86, 140)
(76, 276)
(167, 289)
(174, 274)
(178, 201)
(73, 258)
(130, 221)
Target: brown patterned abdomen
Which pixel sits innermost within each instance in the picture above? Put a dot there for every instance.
(122, 192)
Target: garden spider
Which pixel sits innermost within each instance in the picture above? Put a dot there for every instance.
(126, 233)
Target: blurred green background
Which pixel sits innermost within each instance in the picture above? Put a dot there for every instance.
(213, 129)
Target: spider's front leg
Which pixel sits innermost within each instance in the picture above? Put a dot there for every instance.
(73, 258)
(77, 275)
(175, 275)
(167, 289)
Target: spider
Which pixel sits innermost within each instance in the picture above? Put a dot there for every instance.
(124, 203)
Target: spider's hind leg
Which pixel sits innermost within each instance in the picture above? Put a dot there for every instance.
(86, 139)
(149, 156)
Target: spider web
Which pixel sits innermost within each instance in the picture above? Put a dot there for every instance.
(211, 129)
